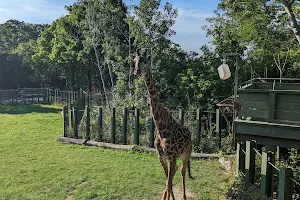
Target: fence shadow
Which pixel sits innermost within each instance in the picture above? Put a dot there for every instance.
(27, 108)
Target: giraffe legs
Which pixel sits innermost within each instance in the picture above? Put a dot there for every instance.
(185, 162)
(169, 186)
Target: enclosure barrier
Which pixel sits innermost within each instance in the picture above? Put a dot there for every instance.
(246, 157)
(38, 95)
(124, 125)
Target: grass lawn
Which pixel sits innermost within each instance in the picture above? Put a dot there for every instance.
(34, 165)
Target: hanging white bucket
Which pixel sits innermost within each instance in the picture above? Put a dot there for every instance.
(224, 71)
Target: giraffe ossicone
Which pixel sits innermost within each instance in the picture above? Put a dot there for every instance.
(172, 139)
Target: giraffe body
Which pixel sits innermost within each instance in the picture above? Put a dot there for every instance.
(172, 140)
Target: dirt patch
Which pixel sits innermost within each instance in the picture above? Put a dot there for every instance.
(178, 194)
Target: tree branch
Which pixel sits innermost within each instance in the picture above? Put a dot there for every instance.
(295, 26)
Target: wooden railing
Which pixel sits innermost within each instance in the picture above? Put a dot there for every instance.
(199, 122)
(246, 165)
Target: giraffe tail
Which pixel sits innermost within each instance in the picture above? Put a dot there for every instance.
(189, 171)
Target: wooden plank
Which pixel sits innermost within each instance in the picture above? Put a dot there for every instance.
(152, 128)
(271, 106)
(113, 126)
(261, 91)
(277, 86)
(137, 127)
(285, 190)
(287, 106)
(128, 147)
(287, 143)
(288, 97)
(181, 116)
(254, 96)
(198, 127)
(267, 173)
(240, 158)
(287, 116)
(262, 105)
(124, 125)
(218, 130)
(255, 114)
(268, 130)
(99, 124)
(250, 163)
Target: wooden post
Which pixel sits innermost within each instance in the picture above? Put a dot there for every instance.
(113, 126)
(72, 115)
(240, 158)
(267, 173)
(99, 120)
(124, 126)
(198, 128)
(285, 189)
(250, 163)
(24, 95)
(75, 121)
(44, 95)
(181, 116)
(65, 120)
(48, 95)
(137, 127)
(152, 128)
(38, 99)
(218, 131)
(88, 124)
(32, 100)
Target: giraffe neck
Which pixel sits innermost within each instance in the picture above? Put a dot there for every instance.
(155, 105)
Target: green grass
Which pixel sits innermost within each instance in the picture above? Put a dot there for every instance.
(34, 165)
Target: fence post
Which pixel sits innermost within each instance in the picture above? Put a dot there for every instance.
(181, 116)
(72, 115)
(113, 126)
(65, 120)
(218, 130)
(240, 158)
(75, 121)
(152, 130)
(32, 99)
(285, 189)
(267, 173)
(24, 95)
(250, 163)
(88, 124)
(198, 128)
(137, 127)
(48, 95)
(38, 93)
(44, 95)
(99, 120)
(124, 126)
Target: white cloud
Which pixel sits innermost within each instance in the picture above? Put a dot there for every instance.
(188, 27)
(33, 11)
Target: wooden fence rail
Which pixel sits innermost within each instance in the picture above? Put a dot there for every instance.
(38, 95)
(246, 157)
(136, 129)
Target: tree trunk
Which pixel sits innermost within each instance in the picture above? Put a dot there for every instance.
(295, 25)
(101, 74)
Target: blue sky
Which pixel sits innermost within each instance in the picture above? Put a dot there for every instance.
(192, 16)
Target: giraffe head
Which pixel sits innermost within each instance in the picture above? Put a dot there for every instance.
(140, 63)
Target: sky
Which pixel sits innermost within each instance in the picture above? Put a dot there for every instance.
(191, 18)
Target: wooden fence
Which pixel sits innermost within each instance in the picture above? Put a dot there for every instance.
(284, 184)
(72, 123)
(38, 95)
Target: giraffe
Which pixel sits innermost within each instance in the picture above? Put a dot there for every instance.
(172, 140)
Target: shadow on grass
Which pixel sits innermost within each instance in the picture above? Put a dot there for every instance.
(27, 108)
